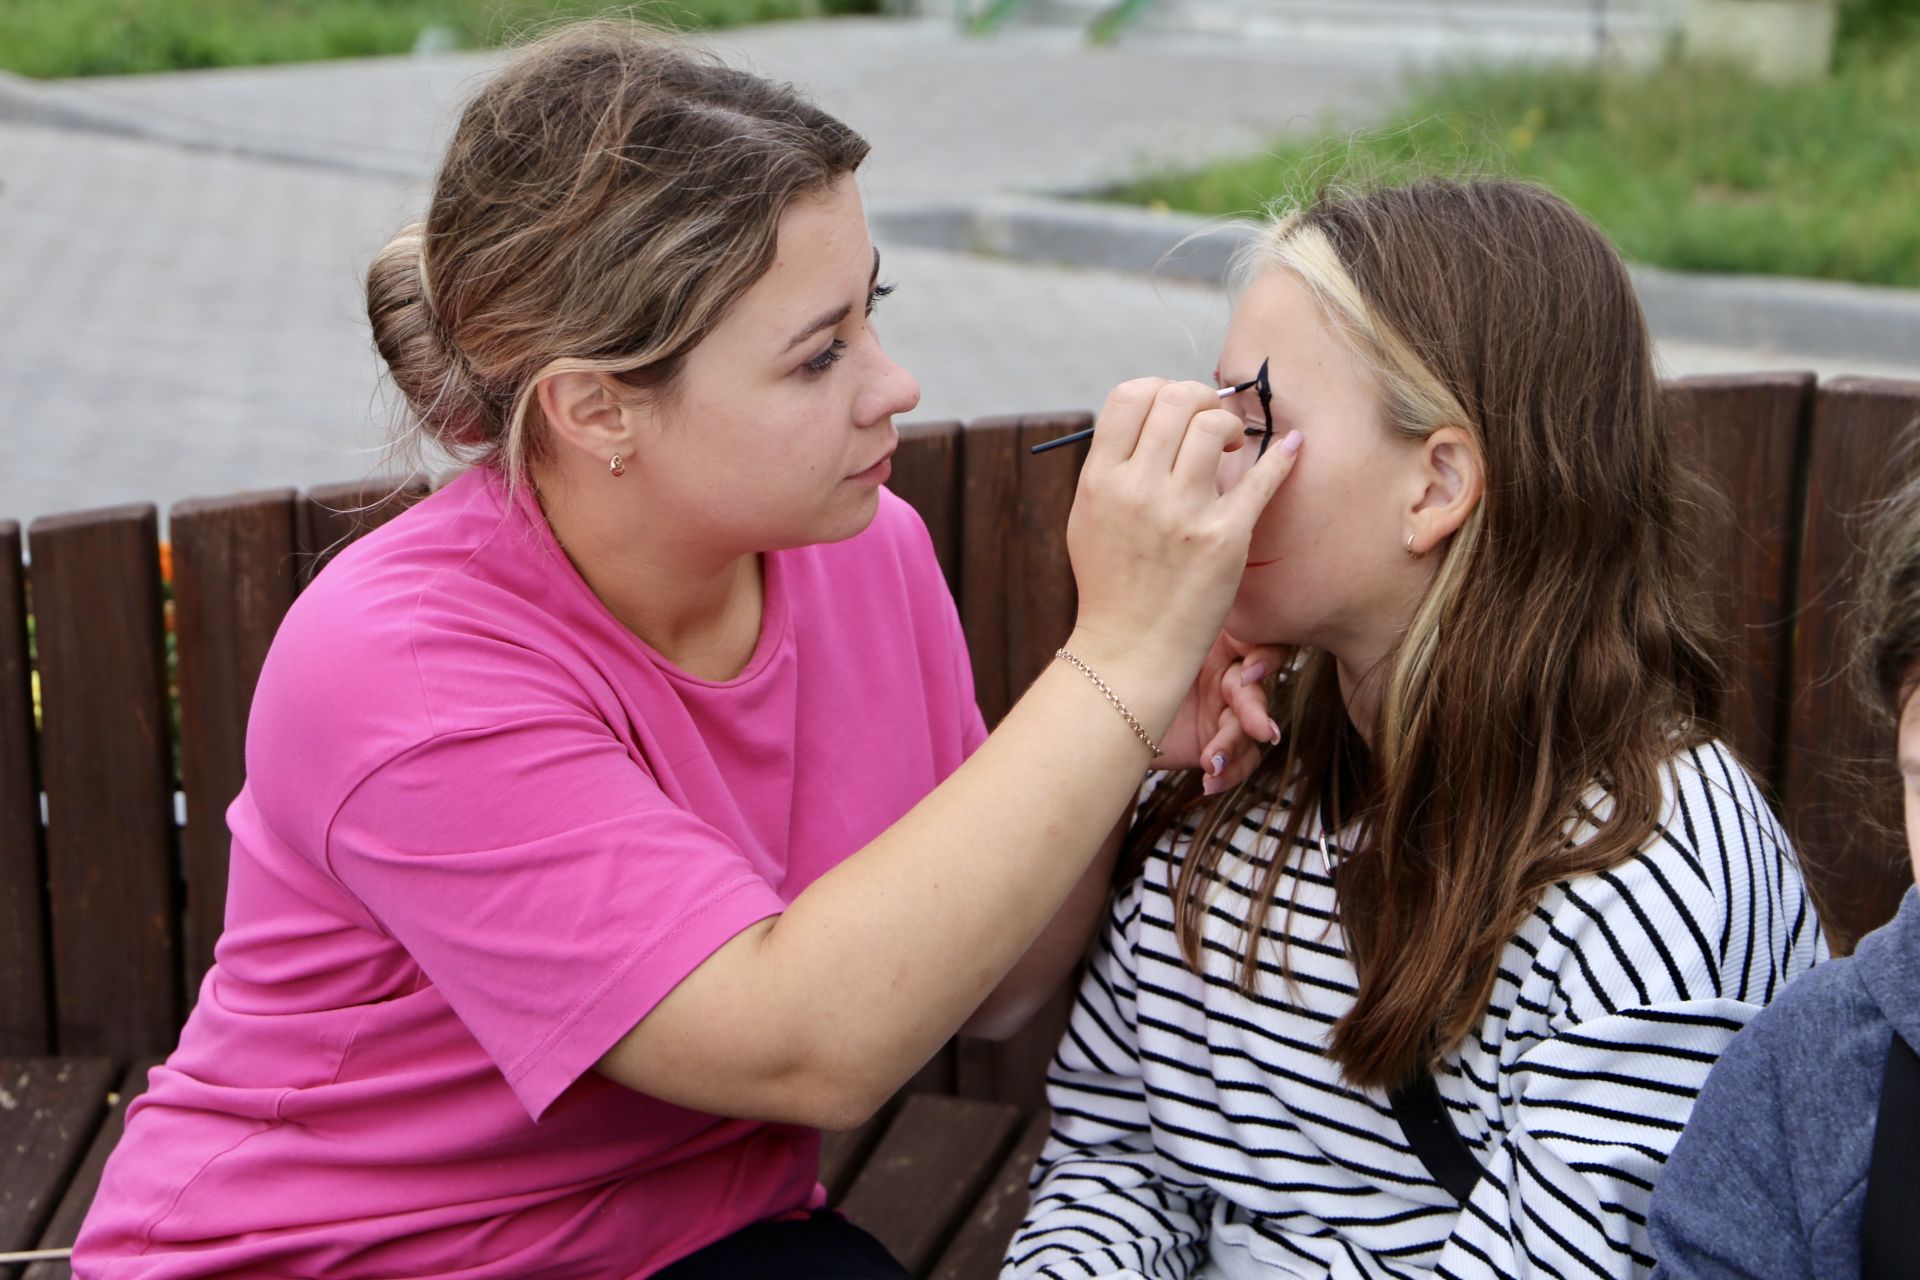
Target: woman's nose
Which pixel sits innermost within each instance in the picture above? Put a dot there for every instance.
(891, 391)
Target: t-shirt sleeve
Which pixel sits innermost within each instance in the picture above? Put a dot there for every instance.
(544, 884)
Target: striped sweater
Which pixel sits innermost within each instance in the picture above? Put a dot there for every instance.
(1199, 1132)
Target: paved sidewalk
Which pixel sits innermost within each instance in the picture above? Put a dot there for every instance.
(183, 317)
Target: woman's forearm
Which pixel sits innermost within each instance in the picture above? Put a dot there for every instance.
(817, 1015)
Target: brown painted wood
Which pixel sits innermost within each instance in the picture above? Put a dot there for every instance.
(1040, 604)
(26, 1009)
(64, 1227)
(1749, 434)
(927, 1173)
(989, 499)
(1015, 1069)
(982, 1239)
(1041, 596)
(49, 1111)
(106, 764)
(334, 515)
(1841, 796)
(926, 472)
(844, 1151)
(234, 575)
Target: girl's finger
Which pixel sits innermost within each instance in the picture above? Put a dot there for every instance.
(1248, 704)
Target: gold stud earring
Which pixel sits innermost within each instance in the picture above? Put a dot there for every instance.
(616, 468)
(1410, 551)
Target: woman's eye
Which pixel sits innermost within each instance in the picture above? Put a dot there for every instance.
(879, 291)
(826, 359)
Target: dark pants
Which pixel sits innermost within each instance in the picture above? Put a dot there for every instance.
(824, 1246)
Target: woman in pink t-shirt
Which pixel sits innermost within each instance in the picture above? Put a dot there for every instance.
(620, 816)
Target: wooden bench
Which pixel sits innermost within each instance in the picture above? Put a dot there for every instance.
(111, 896)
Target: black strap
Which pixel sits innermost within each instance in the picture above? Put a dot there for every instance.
(1431, 1133)
(1893, 1179)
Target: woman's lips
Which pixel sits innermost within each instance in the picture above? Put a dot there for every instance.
(879, 472)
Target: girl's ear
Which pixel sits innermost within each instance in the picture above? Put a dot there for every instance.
(1455, 478)
(583, 410)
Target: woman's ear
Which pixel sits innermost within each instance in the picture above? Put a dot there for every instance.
(1455, 478)
(583, 410)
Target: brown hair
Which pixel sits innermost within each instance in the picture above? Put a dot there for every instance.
(1889, 617)
(1562, 644)
(606, 197)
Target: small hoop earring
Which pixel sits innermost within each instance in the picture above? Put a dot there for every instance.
(1410, 551)
(615, 467)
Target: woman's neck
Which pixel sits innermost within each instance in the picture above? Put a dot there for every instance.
(697, 607)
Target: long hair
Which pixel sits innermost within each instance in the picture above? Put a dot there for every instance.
(606, 197)
(1562, 653)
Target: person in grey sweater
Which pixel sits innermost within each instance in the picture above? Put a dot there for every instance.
(1770, 1179)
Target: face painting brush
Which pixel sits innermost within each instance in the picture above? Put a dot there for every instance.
(1259, 384)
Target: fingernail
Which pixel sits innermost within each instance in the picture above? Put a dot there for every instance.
(1253, 674)
(1219, 763)
(1291, 442)
(1273, 732)
(1211, 786)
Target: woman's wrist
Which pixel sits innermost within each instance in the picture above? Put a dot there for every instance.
(1146, 684)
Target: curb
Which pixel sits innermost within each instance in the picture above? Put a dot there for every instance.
(57, 106)
(1811, 317)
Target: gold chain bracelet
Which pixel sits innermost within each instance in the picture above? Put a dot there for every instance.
(1112, 697)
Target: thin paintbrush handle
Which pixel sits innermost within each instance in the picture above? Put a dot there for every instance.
(1078, 436)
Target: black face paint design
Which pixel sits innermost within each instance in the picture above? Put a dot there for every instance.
(1264, 390)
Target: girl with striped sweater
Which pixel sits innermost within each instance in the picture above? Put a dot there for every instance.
(1431, 992)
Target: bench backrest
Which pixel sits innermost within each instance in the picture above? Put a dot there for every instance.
(111, 899)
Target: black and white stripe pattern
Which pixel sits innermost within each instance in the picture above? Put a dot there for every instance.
(1200, 1132)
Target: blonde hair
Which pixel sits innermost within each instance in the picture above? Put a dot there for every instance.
(605, 199)
(1532, 670)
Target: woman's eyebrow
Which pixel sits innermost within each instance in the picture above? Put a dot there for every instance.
(831, 319)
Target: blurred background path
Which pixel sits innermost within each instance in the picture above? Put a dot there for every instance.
(180, 254)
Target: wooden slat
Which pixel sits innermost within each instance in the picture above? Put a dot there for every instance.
(982, 1239)
(928, 1172)
(926, 472)
(1039, 601)
(1041, 598)
(26, 1014)
(1015, 1069)
(844, 1151)
(106, 764)
(1750, 435)
(49, 1110)
(234, 576)
(64, 1226)
(990, 496)
(1841, 797)
(332, 516)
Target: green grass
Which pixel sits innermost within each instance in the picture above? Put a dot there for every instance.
(50, 38)
(1695, 168)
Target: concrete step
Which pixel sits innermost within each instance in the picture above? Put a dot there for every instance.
(1633, 29)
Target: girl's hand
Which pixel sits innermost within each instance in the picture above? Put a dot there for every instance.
(1224, 721)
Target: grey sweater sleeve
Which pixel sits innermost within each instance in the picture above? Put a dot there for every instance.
(1769, 1179)
(1725, 1204)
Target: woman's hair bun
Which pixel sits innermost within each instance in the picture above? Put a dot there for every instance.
(426, 365)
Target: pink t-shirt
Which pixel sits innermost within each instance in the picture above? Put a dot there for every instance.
(484, 831)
